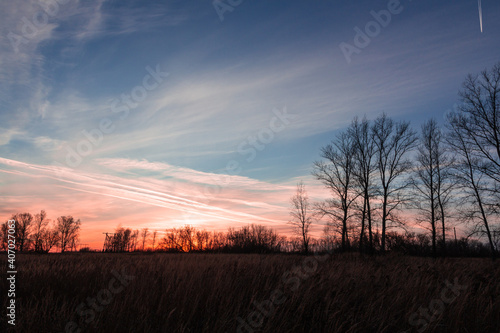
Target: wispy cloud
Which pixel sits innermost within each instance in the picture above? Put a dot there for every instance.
(7, 134)
(47, 144)
(189, 175)
(161, 193)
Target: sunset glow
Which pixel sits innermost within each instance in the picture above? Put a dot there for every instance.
(159, 116)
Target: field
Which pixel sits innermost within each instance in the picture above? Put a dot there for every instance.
(94, 292)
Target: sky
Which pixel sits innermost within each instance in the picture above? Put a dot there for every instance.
(164, 113)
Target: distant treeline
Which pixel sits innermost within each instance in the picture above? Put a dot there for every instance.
(260, 239)
(36, 233)
(39, 234)
(253, 238)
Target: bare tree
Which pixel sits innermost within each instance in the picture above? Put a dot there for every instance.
(302, 215)
(218, 240)
(253, 238)
(432, 180)
(121, 240)
(134, 238)
(23, 226)
(144, 236)
(186, 236)
(475, 133)
(49, 239)
(470, 177)
(39, 226)
(4, 232)
(393, 141)
(171, 240)
(155, 233)
(480, 122)
(68, 230)
(336, 173)
(202, 239)
(445, 183)
(127, 240)
(364, 168)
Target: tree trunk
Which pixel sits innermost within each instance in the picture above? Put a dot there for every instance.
(370, 234)
(384, 219)
(441, 207)
(362, 234)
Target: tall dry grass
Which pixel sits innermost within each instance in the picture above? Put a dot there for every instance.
(208, 292)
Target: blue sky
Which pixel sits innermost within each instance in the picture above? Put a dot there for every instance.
(227, 80)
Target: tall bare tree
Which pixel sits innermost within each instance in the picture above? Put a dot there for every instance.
(364, 168)
(432, 180)
(393, 142)
(445, 185)
(336, 173)
(476, 132)
(302, 215)
(480, 124)
(470, 177)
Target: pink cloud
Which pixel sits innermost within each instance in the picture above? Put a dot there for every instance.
(103, 201)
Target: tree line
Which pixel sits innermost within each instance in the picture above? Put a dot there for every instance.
(252, 238)
(377, 169)
(39, 234)
(256, 238)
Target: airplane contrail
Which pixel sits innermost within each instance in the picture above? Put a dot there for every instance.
(115, 189)
(480, 15)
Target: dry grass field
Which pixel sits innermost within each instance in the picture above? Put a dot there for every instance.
(95, 292)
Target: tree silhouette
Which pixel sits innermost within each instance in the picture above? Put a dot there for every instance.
(23, 224)
(364, 169)
(393, 142)
(301, 215)
(336, 172)
(68, 230)
(144, 236)
(39, 226)
(432, 179)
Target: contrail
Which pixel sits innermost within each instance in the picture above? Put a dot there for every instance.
(127, 192)
(480, 15)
